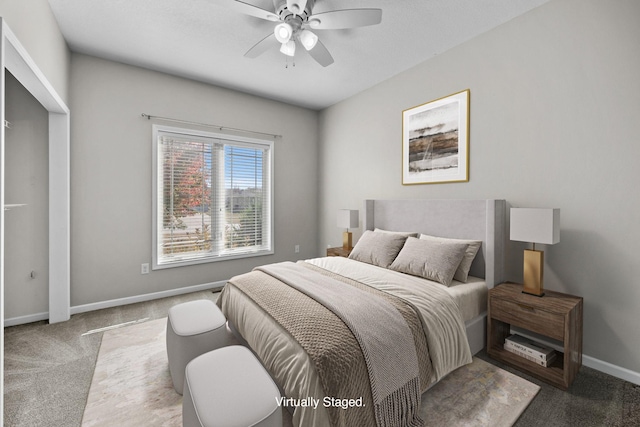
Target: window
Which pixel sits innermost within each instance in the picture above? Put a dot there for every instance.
(212, 197)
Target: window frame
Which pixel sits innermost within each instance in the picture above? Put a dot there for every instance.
(240, 141)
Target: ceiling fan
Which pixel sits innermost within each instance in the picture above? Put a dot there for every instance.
(296, 20)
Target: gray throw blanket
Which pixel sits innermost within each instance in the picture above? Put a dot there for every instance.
(392, 365)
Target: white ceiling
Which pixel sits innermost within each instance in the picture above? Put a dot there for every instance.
(205, 40)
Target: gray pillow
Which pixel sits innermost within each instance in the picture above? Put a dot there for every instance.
(462, 273)
(377, 248)
(435, 261)
(402, 233)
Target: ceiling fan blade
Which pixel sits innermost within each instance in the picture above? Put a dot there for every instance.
(321, 54)
(251, 10)
(296, 6)
(262, 46)
(348, 18)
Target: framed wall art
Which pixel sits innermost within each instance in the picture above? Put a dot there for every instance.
(435, 141)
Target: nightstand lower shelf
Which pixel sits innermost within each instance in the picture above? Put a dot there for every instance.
(553, 374)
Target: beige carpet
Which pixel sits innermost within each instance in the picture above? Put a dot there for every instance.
(131, 386)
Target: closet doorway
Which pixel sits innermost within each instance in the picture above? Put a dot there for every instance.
(15, 59)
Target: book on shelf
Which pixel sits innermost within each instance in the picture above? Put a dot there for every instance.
(529, 347)
(537, 360)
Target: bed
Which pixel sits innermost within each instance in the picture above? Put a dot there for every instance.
(444, 325)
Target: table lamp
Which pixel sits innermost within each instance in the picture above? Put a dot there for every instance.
(535, 225)
(347, 219)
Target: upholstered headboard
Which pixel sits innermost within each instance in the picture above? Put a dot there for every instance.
(459, 219)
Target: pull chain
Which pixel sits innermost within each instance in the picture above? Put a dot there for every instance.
(286, 63)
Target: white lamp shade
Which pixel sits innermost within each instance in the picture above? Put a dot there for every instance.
(288, 48)
(347, 218)
(535, 225)
(283, 32)
(308, 39)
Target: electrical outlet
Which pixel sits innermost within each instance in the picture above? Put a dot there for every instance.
(144, 268)
(297, 249)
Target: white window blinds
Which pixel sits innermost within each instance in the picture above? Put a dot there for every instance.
(212, 197)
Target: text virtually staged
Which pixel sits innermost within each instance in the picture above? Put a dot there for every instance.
(327, 402)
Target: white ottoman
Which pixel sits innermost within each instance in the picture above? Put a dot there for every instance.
(229, 387)
(194, 328)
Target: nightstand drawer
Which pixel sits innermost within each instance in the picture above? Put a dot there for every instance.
(339, 251)
(523, 315)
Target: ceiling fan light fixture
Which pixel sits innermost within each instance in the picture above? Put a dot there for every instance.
(288, 48)
(308, 39)
(295, 23)
(283, 32)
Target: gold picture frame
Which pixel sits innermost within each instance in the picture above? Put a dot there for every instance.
(435, 141)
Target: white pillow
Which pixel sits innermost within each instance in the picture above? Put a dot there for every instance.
(432, 260)
(462, 273)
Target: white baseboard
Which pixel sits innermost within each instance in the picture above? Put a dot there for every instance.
(146, 297)
(20, 320)
(29, 318)
(613, 370)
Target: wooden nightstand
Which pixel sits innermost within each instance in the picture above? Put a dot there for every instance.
(339, 251)
(556, 315)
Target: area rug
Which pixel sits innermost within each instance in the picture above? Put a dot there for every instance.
(478, 394)
(131, 386)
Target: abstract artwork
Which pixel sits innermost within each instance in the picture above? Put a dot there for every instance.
(435, 141)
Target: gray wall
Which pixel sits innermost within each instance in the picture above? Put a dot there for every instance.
(35, 25)
(26, 182)
(111, 175)
(555, 97)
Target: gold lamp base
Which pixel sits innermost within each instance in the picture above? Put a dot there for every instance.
(347, 241)
(533, 272)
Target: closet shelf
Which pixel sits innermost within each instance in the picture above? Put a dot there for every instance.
(9, 207)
